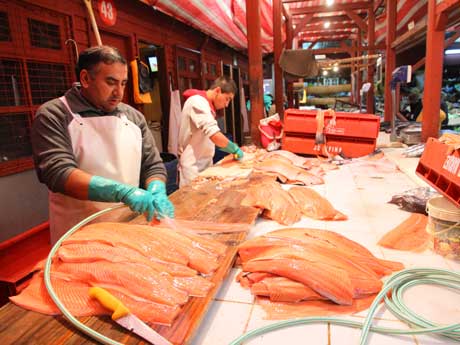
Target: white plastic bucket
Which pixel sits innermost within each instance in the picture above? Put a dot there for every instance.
(444, 225)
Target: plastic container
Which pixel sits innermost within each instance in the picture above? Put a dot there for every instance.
(351, 147)
(352, 125)
(440, 167)
(444, 226)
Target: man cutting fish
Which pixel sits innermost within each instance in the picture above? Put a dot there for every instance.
(199, 132)
(91, 149)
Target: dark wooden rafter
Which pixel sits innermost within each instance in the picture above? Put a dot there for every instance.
(357, 19)
(364, 5)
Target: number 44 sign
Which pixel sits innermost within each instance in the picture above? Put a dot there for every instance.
(107, 12)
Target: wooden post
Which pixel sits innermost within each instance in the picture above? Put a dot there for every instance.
(370, 69)
(390, 57)
(256, 89)
(358, 71)
(278, 75)
(433, 74)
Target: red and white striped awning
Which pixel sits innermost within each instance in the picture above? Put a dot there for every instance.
(225, 20)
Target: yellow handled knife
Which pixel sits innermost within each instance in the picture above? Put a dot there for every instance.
(125, 318)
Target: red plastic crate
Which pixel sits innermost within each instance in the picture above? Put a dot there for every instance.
(347, 124)
(441, 169)
(351, 147)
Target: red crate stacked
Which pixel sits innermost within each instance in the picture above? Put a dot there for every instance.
(354, 135)
(440, 167)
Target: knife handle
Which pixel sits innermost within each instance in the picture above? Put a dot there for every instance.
(109, 301)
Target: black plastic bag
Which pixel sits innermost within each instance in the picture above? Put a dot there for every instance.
(413, 200)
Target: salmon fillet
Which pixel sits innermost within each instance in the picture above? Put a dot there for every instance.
(281, 289)
(140, 280)
(289, 172)
(327, 281)
(276, 202)
(313, 205)
(94, 251)
(75, 297)
(410, 235)
(326, 262)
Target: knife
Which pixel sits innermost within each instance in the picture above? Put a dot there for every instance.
(125, 318)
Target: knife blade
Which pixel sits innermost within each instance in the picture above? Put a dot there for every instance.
(123, 316)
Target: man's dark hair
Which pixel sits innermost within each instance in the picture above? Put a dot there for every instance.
(226, 85)
(91, 57)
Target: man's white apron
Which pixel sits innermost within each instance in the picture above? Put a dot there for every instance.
(106, 146)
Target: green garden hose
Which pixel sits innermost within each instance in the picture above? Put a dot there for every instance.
(85, 329)
(397, 283)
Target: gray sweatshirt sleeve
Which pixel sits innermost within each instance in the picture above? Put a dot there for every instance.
(51, 145)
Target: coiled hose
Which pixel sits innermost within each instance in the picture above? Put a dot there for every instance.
(397, 283)
(85, 329)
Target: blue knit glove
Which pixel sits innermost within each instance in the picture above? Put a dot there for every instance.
(234, 149)
(161, 203)
(138, 200)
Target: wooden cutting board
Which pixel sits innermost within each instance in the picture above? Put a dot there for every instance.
(213, 201)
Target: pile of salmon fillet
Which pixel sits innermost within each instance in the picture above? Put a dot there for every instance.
(152, 270)
(300, 264)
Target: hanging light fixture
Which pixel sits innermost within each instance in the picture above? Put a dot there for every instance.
(327, 24)
(329, 2)
(325, 72)
(335, 68)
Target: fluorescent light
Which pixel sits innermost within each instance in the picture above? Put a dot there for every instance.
(452, 52)
(327, 24)
(329, 2)
(320, 57)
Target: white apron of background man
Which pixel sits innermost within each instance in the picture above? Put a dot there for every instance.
(196, 150)
(107, 146)
(174, 122)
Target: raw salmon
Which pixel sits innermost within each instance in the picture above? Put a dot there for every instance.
(313, 205)
(410, 235)
(140, 280)
(75, 297)
(326, 262)
(289, 172)
(95, 251)
(276, 202)
(329, 282)
(281, 289)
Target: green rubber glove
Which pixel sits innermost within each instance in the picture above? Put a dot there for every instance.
(234, 149)
(161, 203)
(138, 200)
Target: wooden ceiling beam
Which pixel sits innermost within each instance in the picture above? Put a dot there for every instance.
(335, 26)
(364, 5)
(445, 6)
(301, 25)
(357, 19)
(331, 19)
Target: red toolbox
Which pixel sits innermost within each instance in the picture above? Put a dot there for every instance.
(353, 134)
(440, 167)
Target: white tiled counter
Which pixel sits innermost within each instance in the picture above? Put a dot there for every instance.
(362, 193)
